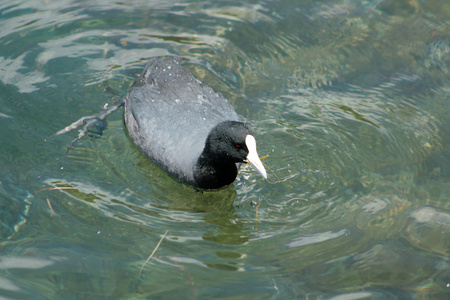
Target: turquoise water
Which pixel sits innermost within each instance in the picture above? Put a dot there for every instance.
(349, 99)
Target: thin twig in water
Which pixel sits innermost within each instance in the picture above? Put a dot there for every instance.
(275, 286)
(264, 157)
(271, 171)
(51, 208)
(154, 250)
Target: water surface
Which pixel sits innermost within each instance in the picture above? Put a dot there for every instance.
(349, 99)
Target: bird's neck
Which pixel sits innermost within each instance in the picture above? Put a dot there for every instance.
(214, 173)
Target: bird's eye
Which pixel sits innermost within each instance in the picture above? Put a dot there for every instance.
(239, 146)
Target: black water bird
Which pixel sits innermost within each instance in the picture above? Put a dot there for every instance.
(183, 126)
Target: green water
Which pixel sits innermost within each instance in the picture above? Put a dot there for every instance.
(349, 99)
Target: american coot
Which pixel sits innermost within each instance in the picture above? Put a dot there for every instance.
(183, 126)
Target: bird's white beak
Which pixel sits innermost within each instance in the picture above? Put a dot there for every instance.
(253, 157)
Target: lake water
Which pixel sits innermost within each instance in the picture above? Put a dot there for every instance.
(350, 100)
